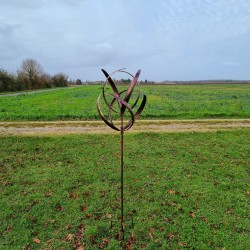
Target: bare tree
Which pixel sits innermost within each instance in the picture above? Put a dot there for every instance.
(32, 69)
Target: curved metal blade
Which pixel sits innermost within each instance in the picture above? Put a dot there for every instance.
(142, 106)
(137, 114)
(130, 90)
(131, 122)
(106, 101)
(110, 82)
(111, 125)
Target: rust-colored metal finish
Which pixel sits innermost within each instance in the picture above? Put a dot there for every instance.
(121, 100)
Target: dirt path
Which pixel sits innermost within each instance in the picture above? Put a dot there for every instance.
(83, 127)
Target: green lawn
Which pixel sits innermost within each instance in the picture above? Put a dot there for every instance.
(185, 190)
(175, 102)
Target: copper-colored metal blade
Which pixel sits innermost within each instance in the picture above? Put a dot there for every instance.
(106, 101)
(140, 109)
(137, 114)
(110, 82)
(131, 88)
(137, 98)
(131, 122)
(111, 125)
(124, 71)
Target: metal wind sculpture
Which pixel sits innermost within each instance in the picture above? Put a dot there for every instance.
(117, 103)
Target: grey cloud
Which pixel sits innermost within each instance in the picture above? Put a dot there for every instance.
(230, 63)
(99, 54)
(72, 2)
(23, 4)
(182, 36)
(9, 46)
(7, 29)
(95, 55)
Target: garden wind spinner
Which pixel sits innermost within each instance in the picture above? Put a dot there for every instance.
(118, 107)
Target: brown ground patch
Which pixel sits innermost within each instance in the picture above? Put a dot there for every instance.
(83, 127)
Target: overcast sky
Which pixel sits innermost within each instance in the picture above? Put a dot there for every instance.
(166, 39)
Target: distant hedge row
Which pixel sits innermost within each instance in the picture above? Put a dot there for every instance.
(11, 82)
(30, 76)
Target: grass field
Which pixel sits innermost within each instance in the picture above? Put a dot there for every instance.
(184, 190)
(175, 102)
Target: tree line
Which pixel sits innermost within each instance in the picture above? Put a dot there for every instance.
(30, 76)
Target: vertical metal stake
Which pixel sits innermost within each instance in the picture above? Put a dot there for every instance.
(122, 168)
